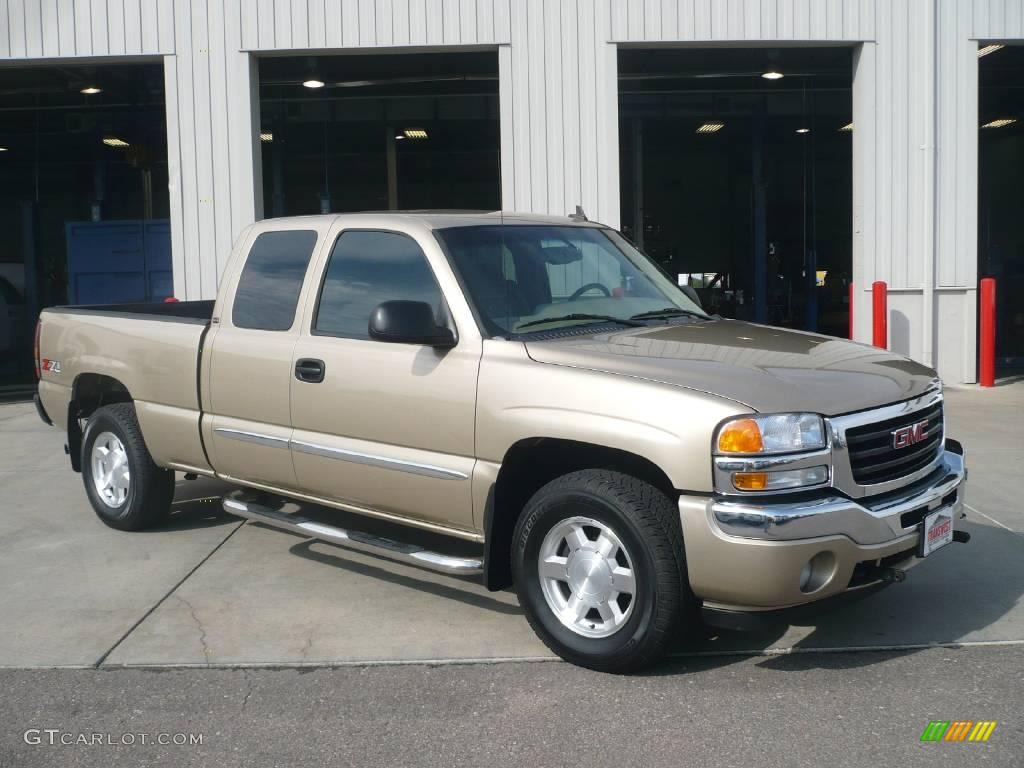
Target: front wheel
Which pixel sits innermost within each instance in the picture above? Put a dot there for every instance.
(600, 571)
(128, 491)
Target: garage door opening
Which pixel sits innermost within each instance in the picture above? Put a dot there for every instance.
(380, 132)
(1000, 195)
(84, 200)
(737, 176)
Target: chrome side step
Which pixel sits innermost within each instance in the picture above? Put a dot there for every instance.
(362, 542)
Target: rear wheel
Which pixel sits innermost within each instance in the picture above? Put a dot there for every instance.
(600, 571)
(127, 490)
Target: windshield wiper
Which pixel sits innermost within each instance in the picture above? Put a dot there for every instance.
(578, 316)
(668, 312)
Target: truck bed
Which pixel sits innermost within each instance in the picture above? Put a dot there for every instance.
(177, 311)
(151, 350)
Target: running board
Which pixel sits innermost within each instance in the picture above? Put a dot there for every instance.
(362, 542)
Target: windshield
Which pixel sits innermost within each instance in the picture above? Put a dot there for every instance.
(525, 279)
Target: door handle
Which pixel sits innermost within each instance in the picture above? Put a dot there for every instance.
(310, 370)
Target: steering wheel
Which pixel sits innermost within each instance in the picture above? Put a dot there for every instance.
(589, 287)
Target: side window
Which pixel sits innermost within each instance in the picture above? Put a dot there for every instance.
(365, 269)
(268, 288)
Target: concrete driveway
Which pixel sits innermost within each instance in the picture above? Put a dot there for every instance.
(206, 589)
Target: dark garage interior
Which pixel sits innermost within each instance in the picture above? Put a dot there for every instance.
(738, 163)
(1000, 194)
(380, 132)
(84, 200)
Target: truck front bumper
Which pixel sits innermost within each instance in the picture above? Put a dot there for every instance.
(765, 555)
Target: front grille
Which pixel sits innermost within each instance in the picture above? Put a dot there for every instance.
(873, 458)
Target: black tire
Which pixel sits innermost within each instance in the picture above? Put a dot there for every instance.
(647, 523)
(150, 488)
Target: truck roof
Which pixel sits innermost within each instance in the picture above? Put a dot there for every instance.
(445, 219)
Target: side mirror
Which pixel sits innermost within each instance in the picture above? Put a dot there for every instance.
(691, 293)
(408, 322)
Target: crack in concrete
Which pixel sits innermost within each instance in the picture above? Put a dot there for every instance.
(248, 690)
(199, 626)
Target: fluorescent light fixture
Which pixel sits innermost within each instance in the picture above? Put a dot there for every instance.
(3, 149)
(803, 130)
(113, 141)
(414, 133)
(91, 90)
(714, 127)
(400, 137)
(313, 83)
(989, 49)
(848, 128)
(1002, 122)
(773, 75)
(266, 136)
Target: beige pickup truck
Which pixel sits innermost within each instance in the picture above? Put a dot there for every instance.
(534, 385)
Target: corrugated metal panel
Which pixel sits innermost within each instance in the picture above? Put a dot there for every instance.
(559, 116)
(32, 29)
(696, 20)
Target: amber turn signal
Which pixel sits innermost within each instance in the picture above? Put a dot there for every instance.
(741, 436)
(750, 481)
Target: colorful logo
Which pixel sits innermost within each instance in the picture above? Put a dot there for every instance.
(958, 730)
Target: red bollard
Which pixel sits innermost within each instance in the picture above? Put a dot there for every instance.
(880, 314)
(987, 351)
(849, 302)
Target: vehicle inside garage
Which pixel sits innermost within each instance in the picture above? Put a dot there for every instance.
(1000, 195)
(736, 175)
(379, 132)
(84, 203)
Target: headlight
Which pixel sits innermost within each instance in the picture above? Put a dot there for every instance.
(771, 433)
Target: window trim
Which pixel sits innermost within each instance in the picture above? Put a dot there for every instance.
(296, 314)
(451, 324)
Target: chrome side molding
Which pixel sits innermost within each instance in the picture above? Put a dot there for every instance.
(361, 542)
(371, 460)
(341, 454)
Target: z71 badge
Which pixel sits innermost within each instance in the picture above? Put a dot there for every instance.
(53, 366)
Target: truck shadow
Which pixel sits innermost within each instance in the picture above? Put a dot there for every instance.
(953, 597)
(197, 504)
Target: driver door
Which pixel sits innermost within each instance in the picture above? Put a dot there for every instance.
(388, 428)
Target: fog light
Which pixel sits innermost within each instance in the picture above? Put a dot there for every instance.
(817, 572)
(777, 481)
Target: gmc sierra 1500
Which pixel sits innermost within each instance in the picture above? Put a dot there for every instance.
(530, 383)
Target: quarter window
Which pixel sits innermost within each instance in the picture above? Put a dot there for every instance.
(271, 280)
(367, 268)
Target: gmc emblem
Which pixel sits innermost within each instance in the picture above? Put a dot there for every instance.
(906, 436)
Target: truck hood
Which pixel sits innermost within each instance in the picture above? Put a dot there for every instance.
(768, 369)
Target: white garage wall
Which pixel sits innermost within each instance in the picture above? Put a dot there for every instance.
(915, 110)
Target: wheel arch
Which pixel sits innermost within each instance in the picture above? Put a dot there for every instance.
(530, 464)
(89, 392)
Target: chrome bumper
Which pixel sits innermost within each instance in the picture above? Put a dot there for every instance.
(757, 556)
(863, 521)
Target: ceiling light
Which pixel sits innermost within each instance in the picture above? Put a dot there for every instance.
(113, 141)
(711, 128)
(988, 49)
(91, 90)
(803, 130)
(1002, 122)
(266, 136)
(313, 83)
(773, 75)
(415, 133)
(399, 137)
(848, 128)
(3, 149)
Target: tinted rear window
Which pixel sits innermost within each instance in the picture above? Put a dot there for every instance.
(268, 289)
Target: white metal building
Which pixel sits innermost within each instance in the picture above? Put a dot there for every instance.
(915, 109)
